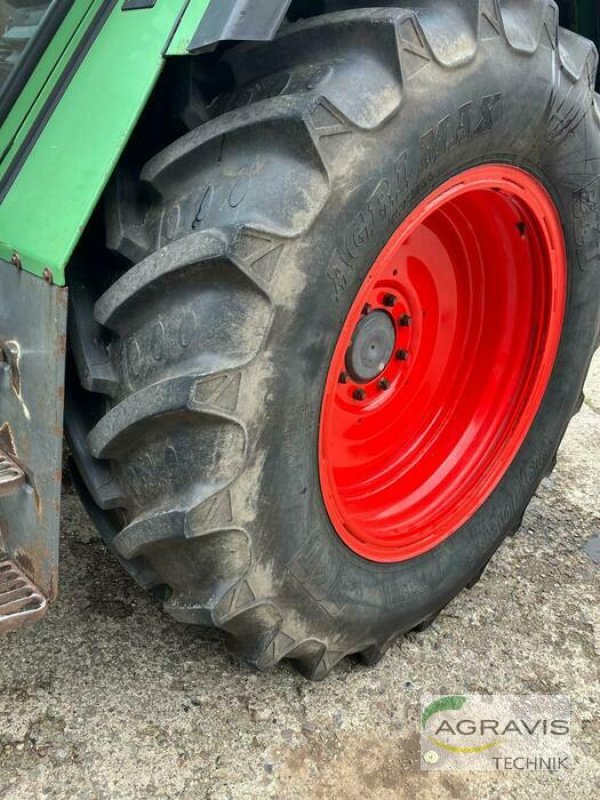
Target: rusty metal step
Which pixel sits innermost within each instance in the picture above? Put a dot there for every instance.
(12, 476)
(21, 602)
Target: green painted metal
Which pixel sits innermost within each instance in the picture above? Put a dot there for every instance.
(42, 80)
(187, 27)
(56, 190)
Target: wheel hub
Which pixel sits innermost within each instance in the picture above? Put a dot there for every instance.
(372, 346)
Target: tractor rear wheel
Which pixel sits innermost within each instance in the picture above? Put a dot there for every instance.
(362, 305)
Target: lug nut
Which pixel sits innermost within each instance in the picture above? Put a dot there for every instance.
(389, 301)
(343, 377)
(384, 384)
(359, 394)
(405, 321)
(402, 355)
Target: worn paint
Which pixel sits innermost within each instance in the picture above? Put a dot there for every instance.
(33, 315)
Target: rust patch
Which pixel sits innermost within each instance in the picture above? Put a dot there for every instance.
(12, 477)
(7, 442)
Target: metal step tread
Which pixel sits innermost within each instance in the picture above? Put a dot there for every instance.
(21, 602)
(12, 476)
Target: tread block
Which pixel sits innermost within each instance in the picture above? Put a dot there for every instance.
(219, 170)
(203, 570)
(168, 455)
(239, 600)
(259, 254)
(551, 27)
(329, 56)
(490, 21)
(277, 649)
(317, 667)
(307, 656)
(188, 613)
(449, 30)
(193, 308)
(426, 623)
(97, 476)
(215, 513)
(126, 233)
(523, 23)
(136, 410)
(579, 57)
(190, 251)
(372, 655)
(94, 367)
(415, 54)
(331, 132)
(249, 630)
(141, 533)
(221, 392)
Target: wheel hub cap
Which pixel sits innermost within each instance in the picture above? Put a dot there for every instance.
(372, 346)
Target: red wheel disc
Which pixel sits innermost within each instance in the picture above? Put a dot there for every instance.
(472, 289)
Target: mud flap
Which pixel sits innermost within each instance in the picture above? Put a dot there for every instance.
(33, 316)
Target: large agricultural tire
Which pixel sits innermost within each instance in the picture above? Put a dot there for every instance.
(214, 350)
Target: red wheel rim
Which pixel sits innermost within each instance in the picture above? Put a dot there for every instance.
(473, 286)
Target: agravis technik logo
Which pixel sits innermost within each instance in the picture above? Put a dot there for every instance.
(501, 732)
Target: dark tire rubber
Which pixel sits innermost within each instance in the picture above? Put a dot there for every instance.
(262, 224)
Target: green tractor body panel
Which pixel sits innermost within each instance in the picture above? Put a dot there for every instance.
(60, 165)
(66, 131)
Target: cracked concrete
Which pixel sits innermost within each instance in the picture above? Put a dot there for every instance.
(109, 699)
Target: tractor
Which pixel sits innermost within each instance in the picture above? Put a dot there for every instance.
(304, 294)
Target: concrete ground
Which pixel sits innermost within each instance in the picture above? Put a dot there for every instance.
(109, 699)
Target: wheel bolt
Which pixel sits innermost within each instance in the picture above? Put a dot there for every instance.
(402, 355)
(367, 308)
(384, 384)
(343, 377)
(389, 301)
(405, 321)
(359, 394)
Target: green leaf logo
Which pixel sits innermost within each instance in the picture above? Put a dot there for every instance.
(451, 703)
